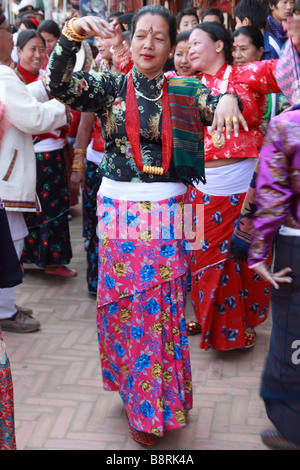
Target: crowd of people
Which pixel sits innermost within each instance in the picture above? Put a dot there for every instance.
(164, 113)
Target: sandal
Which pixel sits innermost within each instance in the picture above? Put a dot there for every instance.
(272, 438)
(250, 339)
(63, 271)
(193, 328)
(145, 439)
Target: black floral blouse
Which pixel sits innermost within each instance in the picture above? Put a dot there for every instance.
(105, 93)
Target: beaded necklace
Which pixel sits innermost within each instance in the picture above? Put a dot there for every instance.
(132, 123)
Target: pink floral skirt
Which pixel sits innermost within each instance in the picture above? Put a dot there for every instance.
(141, 317)
(7, 424)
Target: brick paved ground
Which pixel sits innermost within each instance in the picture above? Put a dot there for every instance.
(59, 400)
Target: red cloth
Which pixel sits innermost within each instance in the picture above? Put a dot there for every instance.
(25, 76)
(98, 141)
(227, 297)
(72, 132)
(251, 82)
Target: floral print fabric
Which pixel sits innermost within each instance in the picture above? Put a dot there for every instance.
(147, 255)
(92, 183)
(7, 424)
(141, 320)
(227, 297)
(48, 242)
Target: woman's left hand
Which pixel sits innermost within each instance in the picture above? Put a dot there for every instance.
(274, 278)
(292, 27)
(228, 115)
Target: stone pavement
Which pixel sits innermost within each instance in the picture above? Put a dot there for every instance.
(59, 400)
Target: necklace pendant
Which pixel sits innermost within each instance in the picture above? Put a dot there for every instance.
(154, 170)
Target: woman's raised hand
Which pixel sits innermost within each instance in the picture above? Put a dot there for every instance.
(228, 115)
(94, 26)
(292, 27)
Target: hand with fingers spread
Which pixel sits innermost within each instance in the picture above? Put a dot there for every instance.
(228, 115)
(292, 27)
(93, 26)
(274, 278)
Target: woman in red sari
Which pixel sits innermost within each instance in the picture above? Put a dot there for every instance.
(228, 299)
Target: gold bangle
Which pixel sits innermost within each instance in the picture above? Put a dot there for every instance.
(70, 33)
(81, 151)
(78, 166)
(78, 160)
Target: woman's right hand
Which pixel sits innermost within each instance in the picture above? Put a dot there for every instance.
(93, 26)
(77, 181)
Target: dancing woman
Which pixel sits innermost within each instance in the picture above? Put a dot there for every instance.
(142, 287)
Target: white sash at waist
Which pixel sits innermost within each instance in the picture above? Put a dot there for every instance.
(135, 191)
(228, 179)
(289, 231)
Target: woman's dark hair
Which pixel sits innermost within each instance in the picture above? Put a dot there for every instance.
(253, 33)
(217, 32)
(27, 23)
(161, 11)
(25, 36)
(183, 36)
(51, 27)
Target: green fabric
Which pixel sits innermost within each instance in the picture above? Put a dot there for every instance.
(188, 134)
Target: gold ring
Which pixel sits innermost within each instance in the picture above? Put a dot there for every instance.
(227, 119)
(234, 119)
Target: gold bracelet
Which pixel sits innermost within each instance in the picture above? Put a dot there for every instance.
(80, 151)
(78, 166)
(70, 33)
(78, 160)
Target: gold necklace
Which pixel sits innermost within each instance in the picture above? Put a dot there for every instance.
(146, 98)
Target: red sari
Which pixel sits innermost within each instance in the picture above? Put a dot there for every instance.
(227, 296)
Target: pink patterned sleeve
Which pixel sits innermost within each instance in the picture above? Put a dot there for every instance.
(273, 191)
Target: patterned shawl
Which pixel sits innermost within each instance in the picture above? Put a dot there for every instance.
(188, 134)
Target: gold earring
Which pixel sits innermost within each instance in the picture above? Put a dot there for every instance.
(218, 50)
